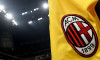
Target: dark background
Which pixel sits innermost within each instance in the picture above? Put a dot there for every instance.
(26, 40)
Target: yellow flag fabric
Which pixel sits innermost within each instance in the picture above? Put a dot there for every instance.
(61, 13)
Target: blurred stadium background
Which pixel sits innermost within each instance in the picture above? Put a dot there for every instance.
(24, 29)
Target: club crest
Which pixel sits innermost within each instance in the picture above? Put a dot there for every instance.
(80, 34)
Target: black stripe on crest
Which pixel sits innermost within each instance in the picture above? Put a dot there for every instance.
(71, 38)
(75, 36)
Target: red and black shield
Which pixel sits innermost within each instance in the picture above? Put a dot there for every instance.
(80, 34)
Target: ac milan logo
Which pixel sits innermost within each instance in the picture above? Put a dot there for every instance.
(80, 35)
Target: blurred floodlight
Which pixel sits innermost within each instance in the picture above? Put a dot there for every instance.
(45, 5)
(30, 22)
(1, 7)
(48, 15)
(23, 13)
(14, 22)
(4, 11)
(9, 16)
(35, 9)
(40, 18)
(31, 11)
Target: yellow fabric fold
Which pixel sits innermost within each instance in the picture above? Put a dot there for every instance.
(60, 48)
